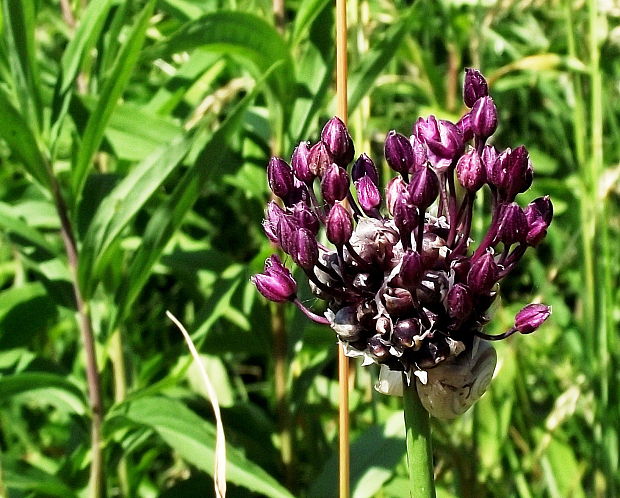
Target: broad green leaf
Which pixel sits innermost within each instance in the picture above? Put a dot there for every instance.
(122, 205)
(23, 476)
(44, 388)
(239, 34)
(108, 99)
(15, 130)
(169, 216)
(306, 14)
(194, 439)
(13, 223)
(364, 75)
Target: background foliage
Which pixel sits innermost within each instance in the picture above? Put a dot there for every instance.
(149, 125)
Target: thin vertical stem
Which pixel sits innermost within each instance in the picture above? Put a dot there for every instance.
(419, 447)
(343, 361)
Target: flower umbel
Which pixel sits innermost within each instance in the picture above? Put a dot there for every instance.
(404, 284)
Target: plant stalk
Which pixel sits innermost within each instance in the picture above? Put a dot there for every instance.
(419, 444)
(96, 484)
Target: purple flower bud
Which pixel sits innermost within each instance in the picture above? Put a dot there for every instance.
(405, 331)
(306, 249)
(513, 226)
(489, 156)
(484, 117)
(398, 152)
(276, 283)
(368, 194)
(474, 87)
(280, 177)
(539, 214)
(483, 274)
(470, 171)
(464, 126)
(393, 191)
(299, 161)
(443, 140)
(270, 223)
(511, 173)
(405, 215)
(419, 153)
(339, 225)
(411, 269)
(285, 231)
(378, 348)
(335, 184)
(365, 167)
(336, 138)
(305, 218)
(459, 302)
(531, 317)
(319, 159)
(424, 187)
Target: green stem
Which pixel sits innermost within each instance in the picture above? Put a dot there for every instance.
(419, 447)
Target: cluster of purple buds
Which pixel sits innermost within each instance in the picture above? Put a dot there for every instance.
(404, 285)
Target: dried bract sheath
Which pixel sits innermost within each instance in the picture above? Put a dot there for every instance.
(404, 284)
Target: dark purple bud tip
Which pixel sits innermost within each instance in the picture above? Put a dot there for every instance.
(483, 274)
(368, 194)
(424, 187)
(335, 184)
(364, 166)
(484, 118)
(419, 153)
(305, 218)
(280, 177)
(285, 230)
(339, 225)
(411, 269)
(398, 152)
(336, 138)
(444, 141)
(464, 126)
(513, 226)
(470, 171)
(474, 87)
(539, 214)
(306, 249)
(275, 283)
(405, 215)
(393, 192)
(459, 302)
(319, 159)
(511, 172)
(299, 161)
(531, 317)
(405, 331)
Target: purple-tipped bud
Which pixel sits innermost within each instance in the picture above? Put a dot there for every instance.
(398, 152)
(513, 227)
(483, 274)
(539, 214)
(335, 184)
(339, 225)
(285, 231)
(464, 126)
(393, 192)
(299, 161)
(319, 159)
(489, 156)
(470, 171)
(306, 249)
(364, 166)
(511, 172)
(424, 187)
(280, 177)
(305, 218)
(276, 283)
(459, 302)
(419, 153)
(368, 194)
(474, 87)
(405, 331)
(270, 223)
(405, 215)
(443, 140)
(411, 269)
(336, 138)
(531, 317)
(484, 118)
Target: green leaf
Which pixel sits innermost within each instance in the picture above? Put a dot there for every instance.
(194, 439)
(123, 204)
(110, 94)
(306, 14)
(21, 140)
(23, 476)
(239, 34)
(44, 388)
(13, 223)
(169, 216)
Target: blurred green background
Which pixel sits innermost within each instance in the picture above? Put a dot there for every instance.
(142, 129)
